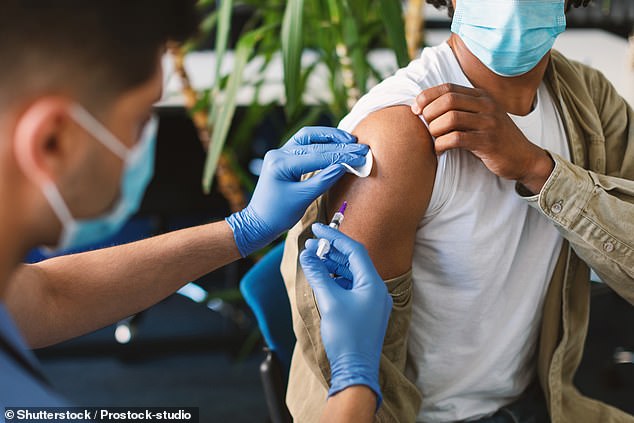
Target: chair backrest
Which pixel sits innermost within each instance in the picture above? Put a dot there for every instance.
(263, 289)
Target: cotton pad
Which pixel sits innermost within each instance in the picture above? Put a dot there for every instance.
(362, 171)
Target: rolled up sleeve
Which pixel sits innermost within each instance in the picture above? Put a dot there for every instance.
(595, 213)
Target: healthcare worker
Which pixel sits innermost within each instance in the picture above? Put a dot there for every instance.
(77, 141)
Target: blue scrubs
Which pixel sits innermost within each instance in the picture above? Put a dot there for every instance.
(22, 384)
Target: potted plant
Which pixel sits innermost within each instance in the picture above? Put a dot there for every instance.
(338, 34)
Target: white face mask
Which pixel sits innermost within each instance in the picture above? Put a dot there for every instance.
(137, 173)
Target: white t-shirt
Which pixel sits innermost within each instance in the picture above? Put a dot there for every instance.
(482, 261)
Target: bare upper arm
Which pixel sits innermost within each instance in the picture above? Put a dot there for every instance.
(385, 209)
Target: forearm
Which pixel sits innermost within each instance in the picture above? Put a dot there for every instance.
(594, 213)
(355, 404)
(68, 296)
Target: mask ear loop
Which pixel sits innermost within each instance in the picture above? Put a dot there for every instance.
(56, 201)
(99, 131)
(61, 210)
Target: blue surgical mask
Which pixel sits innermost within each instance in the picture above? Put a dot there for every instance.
(137, 172)
(509, 37)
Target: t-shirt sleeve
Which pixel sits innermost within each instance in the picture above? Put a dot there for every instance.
(399, 89)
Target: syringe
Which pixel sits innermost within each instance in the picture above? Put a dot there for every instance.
(323, 247)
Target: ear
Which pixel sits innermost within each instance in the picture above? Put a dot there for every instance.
(42, 134)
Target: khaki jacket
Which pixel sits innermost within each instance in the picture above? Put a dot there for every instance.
(590, 201)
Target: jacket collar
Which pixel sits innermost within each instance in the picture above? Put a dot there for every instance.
(569, 88)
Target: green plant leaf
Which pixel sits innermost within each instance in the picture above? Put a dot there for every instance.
(222, 36)
(205, 3)
(392, 14)
(334, 7)
(292, 47)
(356, 50)
(202, 104)
(222, 112)
(292, 26)
(243, 174)
(209, 23)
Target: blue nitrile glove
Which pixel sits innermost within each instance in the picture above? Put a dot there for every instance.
(280, 197)
(354, 306)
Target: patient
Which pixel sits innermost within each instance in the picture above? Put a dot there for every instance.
(490, 302)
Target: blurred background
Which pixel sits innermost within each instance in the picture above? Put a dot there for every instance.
(259, 71)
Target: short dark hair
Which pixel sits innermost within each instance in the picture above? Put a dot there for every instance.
(439, 4)
(92, 49)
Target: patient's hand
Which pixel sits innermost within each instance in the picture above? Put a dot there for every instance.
(384, 210)
(462, 117)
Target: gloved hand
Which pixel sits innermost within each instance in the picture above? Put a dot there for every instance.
(280, 197)
(355, 309)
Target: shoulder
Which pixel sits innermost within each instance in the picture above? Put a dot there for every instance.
(395, 134)
(385, 209)
(397, 90)
(404, 157)
(431, 69)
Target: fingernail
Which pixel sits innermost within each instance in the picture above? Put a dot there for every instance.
(416, 109)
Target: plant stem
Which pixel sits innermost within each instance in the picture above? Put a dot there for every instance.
(347, 74)
(199, 117)
(414, 27)
(228, 181)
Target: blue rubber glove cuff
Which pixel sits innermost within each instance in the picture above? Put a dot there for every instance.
(250, 232)
(354, 369)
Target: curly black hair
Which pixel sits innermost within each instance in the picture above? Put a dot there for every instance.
(439, 4)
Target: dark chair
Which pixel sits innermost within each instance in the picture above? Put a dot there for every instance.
(263, 289)
(606, 372)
